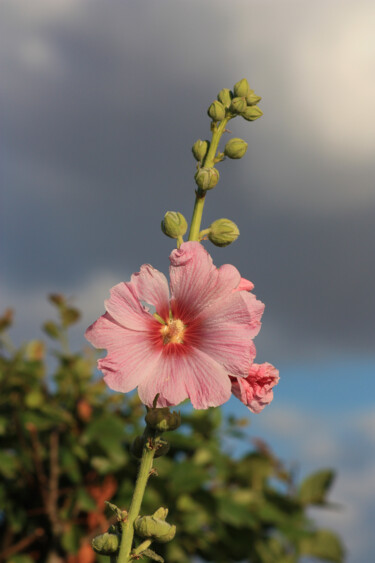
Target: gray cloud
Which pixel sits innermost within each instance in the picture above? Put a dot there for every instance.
(101, 107)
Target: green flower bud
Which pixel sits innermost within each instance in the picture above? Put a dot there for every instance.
(200, 149)
(216, 111)
(225, 97)
(106, 544)
(235, 148)
(162, 449)
(252, 113)
(174, 224)
(155, 527)
(238, 105)
(162, 419)
(223, 232)
(241, 88)
(207, 178)
(252, 99)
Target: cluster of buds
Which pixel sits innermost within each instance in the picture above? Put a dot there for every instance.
(241, 101)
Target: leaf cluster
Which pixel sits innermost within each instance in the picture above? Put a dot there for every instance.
(65, 443)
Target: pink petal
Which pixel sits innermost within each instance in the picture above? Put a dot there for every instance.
(151, 286)
(195, 282)
(184, 372)
(125, 307)
(225, 331)
(255, 391)
(131, 357)
(245, 285)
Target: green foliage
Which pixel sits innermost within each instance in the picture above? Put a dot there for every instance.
(65, 444)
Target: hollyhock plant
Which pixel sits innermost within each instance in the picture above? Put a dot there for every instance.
(191, 338)
(255, 390)
(201, 332)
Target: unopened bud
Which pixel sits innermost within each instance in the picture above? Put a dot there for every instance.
(162, 419)
(200, 149)
(174, 224)
(235, 148)
(216, 111)
(225, 97)
(223, 232)
(137, 446)
(106, 544)
(252, 99)
(238, 105)
(241, 88)
(207, 178)
(252, 113)
(155, 527)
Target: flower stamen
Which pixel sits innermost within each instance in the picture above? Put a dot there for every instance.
(173, 332)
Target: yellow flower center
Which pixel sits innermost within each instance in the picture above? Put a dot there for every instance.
(173, 332)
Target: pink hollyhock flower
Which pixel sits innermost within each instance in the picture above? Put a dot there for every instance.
(199, 334)
(255, 390)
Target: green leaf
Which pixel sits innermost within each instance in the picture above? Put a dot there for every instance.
(314, 488)
(70, 539)
(8, 465)
(325, 545)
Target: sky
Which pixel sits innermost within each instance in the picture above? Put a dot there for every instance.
(100, 103)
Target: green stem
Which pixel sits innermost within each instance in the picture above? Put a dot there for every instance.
(140, 486)
(209, 162)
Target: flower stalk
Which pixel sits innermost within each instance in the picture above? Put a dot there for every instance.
(209, 162)
(127, 526)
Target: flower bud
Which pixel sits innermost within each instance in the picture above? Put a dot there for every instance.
(162, 419)
(207, 178)
(216, 111)
(241, 88)
(235, 148)
(106, 544)
(155, 527)
(174, 224)
(200, 149)
(238, 105)
(225, 97)
(223, 232)
(252, 113)
(252, 99)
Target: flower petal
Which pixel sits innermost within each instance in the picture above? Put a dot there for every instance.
(195, 282)
(184, 372)
(131, 357)
(151, 286)
(245, 285)
(255, 391)
(225, 331)
(125, 307)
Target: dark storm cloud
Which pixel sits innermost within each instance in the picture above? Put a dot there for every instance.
(101, 109)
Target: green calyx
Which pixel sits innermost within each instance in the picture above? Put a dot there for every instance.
(238, 105)
(252, 113)
(252, 99)
(235, 148)
(223, 232)
(162, 419)
(106, 544)
(216, 111)
(241, 88)
(199, 149)
(225, 97)
(207, 178)
(174, 224)
(155, 527)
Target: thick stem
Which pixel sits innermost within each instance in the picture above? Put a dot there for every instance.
(140, 486)
(209, 162)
